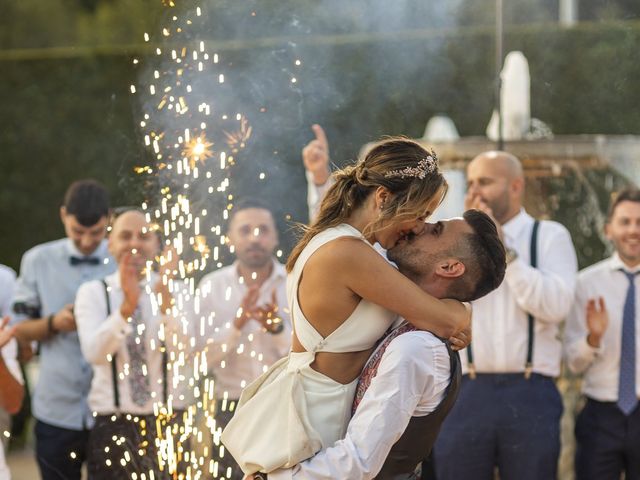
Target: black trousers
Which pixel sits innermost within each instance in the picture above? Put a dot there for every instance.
(120, 445)
(608, 442)
(60, 452)
(501, 420)
(228, 469)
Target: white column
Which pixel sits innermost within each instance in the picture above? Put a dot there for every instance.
(453, 204)
(568, 12)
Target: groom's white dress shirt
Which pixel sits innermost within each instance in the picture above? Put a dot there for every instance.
(411, 381)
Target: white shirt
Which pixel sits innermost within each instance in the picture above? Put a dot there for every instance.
(499, 320)
(601, 366)
(237, 357)
(10, 357)
(315, 194)
(412, 378)
(102, 336)
(7, 287)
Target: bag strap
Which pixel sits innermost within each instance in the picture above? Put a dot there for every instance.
(114, 368)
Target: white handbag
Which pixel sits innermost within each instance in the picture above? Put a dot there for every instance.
(270, 429)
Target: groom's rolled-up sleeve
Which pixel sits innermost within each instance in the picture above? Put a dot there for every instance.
(406, 376)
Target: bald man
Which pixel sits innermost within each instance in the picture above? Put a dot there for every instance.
(508, 411)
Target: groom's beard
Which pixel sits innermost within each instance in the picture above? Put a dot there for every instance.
(410, 260)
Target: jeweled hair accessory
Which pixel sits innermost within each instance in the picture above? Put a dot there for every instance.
(425, 167)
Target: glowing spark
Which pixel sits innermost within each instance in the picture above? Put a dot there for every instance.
(200, 246)
(198, 150)
(237, 140)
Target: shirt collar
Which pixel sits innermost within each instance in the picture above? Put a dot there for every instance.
(514, 227)
(616, 263)
(114, 279)
(278, 272)
(100, 252)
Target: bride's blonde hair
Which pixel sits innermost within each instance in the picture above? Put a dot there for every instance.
(400, 165)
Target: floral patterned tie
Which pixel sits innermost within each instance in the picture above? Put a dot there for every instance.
(138, 381)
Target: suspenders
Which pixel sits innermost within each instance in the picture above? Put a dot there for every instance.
(114, 368)
(528, 369)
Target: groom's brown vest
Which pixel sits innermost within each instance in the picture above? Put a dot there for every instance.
(416, 442)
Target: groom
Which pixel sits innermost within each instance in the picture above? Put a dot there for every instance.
(412, 378)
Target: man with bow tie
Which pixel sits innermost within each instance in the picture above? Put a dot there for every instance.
(50, 275)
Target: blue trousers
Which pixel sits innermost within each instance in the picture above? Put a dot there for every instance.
(503, 421)
(54, 449)
(608, 442)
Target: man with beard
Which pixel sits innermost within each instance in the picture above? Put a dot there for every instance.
(508, 412)
(602, 342)
(412, 378)
(244, 311)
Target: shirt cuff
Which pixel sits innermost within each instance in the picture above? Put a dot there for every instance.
(282, 474)
(311, 182)
(118, 325)
(587, 351)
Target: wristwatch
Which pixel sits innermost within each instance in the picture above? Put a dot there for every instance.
(511, 255)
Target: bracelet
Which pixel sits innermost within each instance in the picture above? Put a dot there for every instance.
(50, 327)
(275, 327)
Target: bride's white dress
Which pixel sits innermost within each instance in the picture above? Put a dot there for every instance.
(292, 411)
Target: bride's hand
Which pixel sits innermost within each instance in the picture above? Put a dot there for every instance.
(462, 337)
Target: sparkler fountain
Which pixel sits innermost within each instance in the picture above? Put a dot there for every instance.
(195, 138)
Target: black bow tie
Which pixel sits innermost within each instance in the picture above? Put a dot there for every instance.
(80, 260)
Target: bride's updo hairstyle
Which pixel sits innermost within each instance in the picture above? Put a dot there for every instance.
(402, 166)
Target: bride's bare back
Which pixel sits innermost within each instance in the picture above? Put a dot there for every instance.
(327, 302)
(338, 276)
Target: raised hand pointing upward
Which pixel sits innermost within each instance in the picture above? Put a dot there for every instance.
(315, 156)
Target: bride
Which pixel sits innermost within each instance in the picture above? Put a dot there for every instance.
(343, 296)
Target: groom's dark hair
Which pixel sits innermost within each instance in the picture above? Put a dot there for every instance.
(483, 256)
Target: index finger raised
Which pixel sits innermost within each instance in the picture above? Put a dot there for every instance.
(320, 135)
